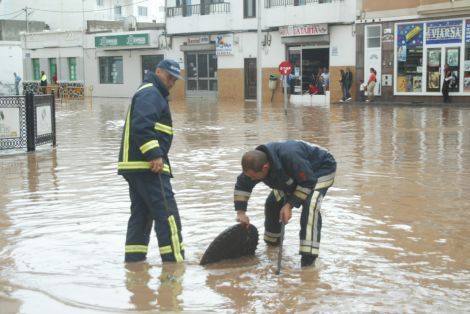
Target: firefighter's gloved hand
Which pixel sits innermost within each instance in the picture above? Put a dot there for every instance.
(242, 218)
(156, 165)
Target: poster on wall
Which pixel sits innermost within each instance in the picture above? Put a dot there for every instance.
(410, 34)
(467, 31)
(444, 32)
(434, 58)
(401, 54)
(402, 83)
(417, 86)
(44, 120)
(9, 122)
(466, 83)
(453, 57)
(433, 80)
(224, 45)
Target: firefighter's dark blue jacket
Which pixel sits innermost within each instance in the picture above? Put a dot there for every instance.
(295, 168)
(148, 130)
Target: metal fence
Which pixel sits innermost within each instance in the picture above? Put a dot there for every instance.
(27, 121)
(198, 9)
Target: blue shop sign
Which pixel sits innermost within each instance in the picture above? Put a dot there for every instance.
(467, 31)
(444, 32)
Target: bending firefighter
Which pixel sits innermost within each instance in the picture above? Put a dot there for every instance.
(144, 163)
(300, 174)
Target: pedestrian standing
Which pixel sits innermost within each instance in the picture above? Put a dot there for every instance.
(348, 83)
(144, 164)
(43, 82)
(17, 83)
(300, 174)
(342, 84)
(362, 90)
(371, 85)
(447, 80)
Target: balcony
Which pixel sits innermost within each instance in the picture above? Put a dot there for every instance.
(283, 3)
(198, 9)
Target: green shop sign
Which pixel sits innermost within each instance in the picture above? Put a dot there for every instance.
(122, 40)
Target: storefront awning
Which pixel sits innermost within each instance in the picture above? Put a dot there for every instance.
(306, 40)
(198, 47)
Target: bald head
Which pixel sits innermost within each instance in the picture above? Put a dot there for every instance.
(254, 160)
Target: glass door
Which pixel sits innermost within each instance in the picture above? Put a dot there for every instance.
(434, 70)
(452, 58)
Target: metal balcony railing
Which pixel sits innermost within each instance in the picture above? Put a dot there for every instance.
(198, 9)
(279, 3)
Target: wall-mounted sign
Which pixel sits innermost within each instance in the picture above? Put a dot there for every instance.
(224, 45)
(304, 30)
(444, 32)
(9, 122)
(44, 120)
(198, 40)
(467, 31)
(410, 34)
(122, 40)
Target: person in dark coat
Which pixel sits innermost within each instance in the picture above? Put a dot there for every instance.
(144, 163)
(299, 174)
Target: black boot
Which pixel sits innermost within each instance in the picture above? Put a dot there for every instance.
(307, 260)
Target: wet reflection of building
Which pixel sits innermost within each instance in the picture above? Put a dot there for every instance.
(201, 123)
(164, 298)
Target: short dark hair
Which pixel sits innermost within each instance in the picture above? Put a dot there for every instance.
(254, 160)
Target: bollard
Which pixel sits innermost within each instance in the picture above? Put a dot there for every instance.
(30, 136)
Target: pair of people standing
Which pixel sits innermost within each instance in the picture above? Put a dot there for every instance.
(299, 173)
(346, 83)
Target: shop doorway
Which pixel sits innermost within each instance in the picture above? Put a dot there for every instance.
(201, 77)
(436, 59)
(250, 78)
(308, 64)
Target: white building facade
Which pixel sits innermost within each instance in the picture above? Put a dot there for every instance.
(216, 43)
(72, 15)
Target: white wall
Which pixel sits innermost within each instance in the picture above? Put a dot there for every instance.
(335, 12)
(70, 15)
(342, 42)
(10, 54)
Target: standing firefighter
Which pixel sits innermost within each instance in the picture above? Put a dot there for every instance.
(144, 163)
(299, 173)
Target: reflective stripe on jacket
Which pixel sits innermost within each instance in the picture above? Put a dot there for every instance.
(148, 130)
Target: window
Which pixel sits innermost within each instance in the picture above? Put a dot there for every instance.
(53, 70)
(466, 74)
(150, 62)
(72, 63)
(99, 3)
(142, 11)
(410, 59)
(249, 8)
(373, 36)
(117, 10)
(111, 71)
(36, 69)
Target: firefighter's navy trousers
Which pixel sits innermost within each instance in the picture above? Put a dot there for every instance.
(152, 199)
(310, 219)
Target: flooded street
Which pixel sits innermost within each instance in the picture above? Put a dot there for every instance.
(395, 224)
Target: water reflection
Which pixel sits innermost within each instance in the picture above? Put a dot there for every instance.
(395, 222)
(144, 294)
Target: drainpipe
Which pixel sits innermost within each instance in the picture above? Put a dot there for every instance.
(259, 96)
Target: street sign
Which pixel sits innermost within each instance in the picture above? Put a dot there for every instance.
(285, 68)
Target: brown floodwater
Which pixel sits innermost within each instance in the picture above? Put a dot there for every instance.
(395, 224)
